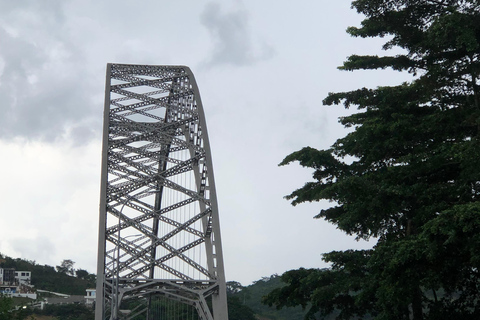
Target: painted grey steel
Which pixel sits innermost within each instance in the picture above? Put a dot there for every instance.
(159, 232)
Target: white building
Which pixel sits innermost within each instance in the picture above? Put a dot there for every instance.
(16, 283)
(90, 297)
(23, 277)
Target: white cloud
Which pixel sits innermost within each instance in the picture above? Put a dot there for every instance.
(49, 207)
(27, 247)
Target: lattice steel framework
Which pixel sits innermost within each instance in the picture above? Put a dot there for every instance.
(159, 233)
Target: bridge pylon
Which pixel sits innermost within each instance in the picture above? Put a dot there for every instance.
(159, 248)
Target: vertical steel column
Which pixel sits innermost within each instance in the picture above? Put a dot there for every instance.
(100, 291)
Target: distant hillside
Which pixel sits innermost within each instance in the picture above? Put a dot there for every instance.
(45, 277)
(251, 296)
(243, 302)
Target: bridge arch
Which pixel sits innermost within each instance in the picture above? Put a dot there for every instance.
(159, 232)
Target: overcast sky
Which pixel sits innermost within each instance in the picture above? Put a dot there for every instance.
(262, 67)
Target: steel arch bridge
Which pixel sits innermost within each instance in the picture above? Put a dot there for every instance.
(159, 249)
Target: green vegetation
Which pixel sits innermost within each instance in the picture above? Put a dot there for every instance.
(164, 308)
(10, 309)
(46, 278)
(69, 312)
(244, 303)
(237, 310)
(6, 305)
(408, 174)
(251, 297)
(56, 312)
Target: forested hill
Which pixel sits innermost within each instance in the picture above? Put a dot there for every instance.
(251, 297)
(244, 303)
(62, 279)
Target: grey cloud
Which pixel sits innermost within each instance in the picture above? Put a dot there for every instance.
(44, 92)
(232, 41)
(41, 247)
(51, 9)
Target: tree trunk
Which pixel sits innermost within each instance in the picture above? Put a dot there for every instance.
(417, 292)
(417, 304)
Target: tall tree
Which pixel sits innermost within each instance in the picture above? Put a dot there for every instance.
(66, 267)
(408, 174)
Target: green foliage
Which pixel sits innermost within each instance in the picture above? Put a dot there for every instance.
(46, 278)
(165, 308)
(6, 306)
(251, 297)
(68, 312)
(412, 178)
(237, 310)
(85, 275)
(66, 267)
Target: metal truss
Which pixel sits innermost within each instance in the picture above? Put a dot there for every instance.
(159, 233)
